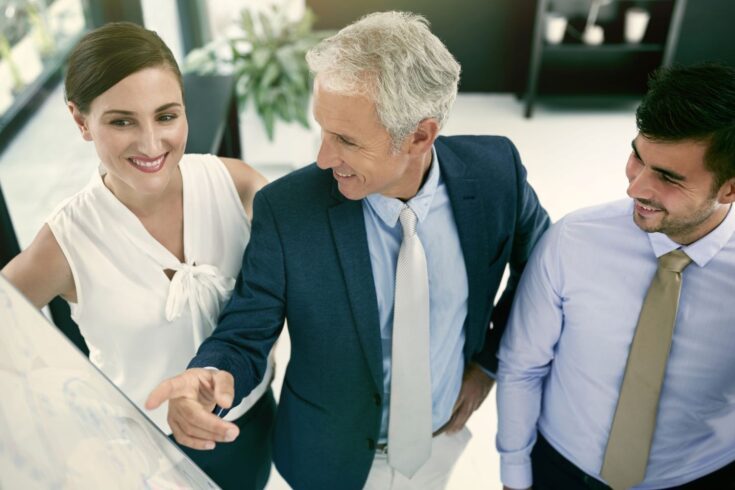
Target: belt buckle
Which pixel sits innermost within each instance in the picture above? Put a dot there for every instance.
(382, 448)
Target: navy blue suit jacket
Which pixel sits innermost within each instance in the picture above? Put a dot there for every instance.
(308, 262)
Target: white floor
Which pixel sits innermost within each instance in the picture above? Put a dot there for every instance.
(574, 157)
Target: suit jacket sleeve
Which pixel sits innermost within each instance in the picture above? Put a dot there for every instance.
(253, 318)
(530, 224)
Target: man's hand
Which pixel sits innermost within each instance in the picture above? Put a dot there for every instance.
(192, 396)
(475, 387)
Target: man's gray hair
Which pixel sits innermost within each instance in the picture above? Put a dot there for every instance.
(393, 58)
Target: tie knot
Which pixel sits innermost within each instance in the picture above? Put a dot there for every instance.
(675, 261)
(408, 222)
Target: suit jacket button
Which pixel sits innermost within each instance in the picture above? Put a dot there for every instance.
(371, 444)
(376, 397)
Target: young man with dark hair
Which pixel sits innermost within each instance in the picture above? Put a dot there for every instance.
(617, 368)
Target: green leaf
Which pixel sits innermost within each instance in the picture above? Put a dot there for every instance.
(242, 87)
(260, 56)
(291, 61)
(269, 121)
(302, 109)
(270, 74)
(265, 24)
(241, 48)
(296, 82)
(281, 110)
(246, 21)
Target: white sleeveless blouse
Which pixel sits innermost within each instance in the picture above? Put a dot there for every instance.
(141, 327)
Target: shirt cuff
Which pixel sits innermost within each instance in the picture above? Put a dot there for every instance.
(516, 475)
(217, 410)
(488, 372)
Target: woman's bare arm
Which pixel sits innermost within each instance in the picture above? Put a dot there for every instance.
(41, 272)
(247, 180)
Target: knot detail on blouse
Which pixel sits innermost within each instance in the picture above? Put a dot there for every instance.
(204, 289)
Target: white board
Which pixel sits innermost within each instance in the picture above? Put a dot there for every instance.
(64, 425)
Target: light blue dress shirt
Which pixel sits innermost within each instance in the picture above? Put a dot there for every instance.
(563, 356)
(448, 287)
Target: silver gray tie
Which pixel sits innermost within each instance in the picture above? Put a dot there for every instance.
(409, 423)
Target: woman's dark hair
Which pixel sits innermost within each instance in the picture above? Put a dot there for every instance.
(698, 103)
(110, 53)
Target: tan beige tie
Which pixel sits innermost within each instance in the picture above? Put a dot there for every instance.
(631, 435)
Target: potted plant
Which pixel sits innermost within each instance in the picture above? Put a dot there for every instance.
(267, 55)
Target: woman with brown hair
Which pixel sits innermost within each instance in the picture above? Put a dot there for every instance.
(148, 251)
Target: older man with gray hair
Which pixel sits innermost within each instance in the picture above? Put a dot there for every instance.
(385, 258)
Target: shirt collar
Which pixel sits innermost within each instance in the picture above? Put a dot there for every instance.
(704, 249)
(389, 208)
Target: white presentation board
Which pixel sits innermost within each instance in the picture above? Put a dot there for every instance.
(64, 425)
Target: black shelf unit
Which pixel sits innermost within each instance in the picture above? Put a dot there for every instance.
(582, 66)
(604, 48)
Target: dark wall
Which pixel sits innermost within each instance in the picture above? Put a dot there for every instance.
(492, 38)
(707, 32)
(102, 11)
(9, 247)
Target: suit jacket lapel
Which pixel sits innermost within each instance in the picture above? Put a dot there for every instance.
(348, 230)
(470, 218)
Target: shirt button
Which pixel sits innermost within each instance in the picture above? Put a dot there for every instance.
(371, 444)
(376, 397)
